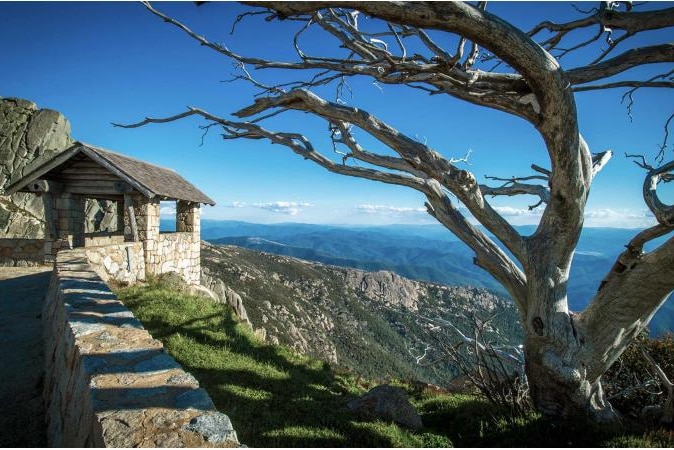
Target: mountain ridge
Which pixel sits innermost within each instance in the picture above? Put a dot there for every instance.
(426, 253)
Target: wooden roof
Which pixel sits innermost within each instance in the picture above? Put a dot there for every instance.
(148, 179)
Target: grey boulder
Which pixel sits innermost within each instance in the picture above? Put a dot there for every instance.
(387, 403)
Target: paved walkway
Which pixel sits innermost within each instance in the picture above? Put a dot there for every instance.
(22, 292)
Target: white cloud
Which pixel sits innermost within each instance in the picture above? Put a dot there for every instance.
(387, 210)
(606, 213)
(509, 211)
(281, 207)
(167, 211)
(602, 217)
(234, 205)
(622, 218)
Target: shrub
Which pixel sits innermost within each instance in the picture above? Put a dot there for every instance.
(632, 383)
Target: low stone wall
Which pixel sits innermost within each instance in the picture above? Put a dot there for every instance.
(98, 239)
(176, 252)
(108, 383)
(22, 252)
(122, 262)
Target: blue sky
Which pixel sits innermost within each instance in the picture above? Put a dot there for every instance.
(106, 62)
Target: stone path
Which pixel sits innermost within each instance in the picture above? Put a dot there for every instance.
(22, 292)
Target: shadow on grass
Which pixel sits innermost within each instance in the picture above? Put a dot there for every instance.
(477, 423)
(277, 399)
(272, 400)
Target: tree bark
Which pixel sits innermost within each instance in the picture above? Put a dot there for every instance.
(559, 387)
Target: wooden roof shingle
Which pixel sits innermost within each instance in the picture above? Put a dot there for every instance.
(149, 179)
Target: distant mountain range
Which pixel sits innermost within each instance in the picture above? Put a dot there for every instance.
(423, 252)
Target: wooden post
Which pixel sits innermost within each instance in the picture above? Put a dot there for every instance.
(128, 206)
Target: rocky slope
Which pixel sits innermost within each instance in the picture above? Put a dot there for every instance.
(30, 135)
(375, 323)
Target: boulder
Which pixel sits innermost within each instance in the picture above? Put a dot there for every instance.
(386, 287)
(27, 135)
(387, 403)
(225, 294)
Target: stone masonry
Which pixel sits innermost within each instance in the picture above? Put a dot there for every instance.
(21, 252)
(177, 252)
(123, 262)
(108, 383)
(69, 211)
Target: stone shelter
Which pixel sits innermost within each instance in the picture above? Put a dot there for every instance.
(133, 246)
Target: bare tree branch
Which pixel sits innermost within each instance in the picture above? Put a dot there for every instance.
(663, 213)
(629, 59)
(361, 154)
(418, 156)
(514, 187)
(661, 154)
(296, 142)
(621, 296)
(600, 160)
(608, 19)
(668, 410)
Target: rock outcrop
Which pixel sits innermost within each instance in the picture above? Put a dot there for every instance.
(225, 294)
(385, 286)
(27, 135)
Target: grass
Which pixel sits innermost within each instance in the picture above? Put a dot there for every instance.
(278, 398)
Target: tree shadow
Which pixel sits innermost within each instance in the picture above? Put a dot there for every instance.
(477, 423)
(304, 408)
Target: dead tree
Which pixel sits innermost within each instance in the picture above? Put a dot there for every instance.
(494, 65)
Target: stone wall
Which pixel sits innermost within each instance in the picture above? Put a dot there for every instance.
(180, 253)
(69, 209)
(99, 239)
(122, 262)
(22, 252)
(108, 383)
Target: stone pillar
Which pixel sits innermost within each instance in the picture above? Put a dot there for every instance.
(70, 220)
(147, 217)
(188, 220)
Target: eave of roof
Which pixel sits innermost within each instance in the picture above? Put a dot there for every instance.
(149, 179)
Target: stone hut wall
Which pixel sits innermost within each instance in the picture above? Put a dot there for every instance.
(180, 253)
(108, 383)
(99, 239)
(177, 252)
(123, 262)
(22, 252)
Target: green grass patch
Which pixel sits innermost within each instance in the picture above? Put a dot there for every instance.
(278, 398)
